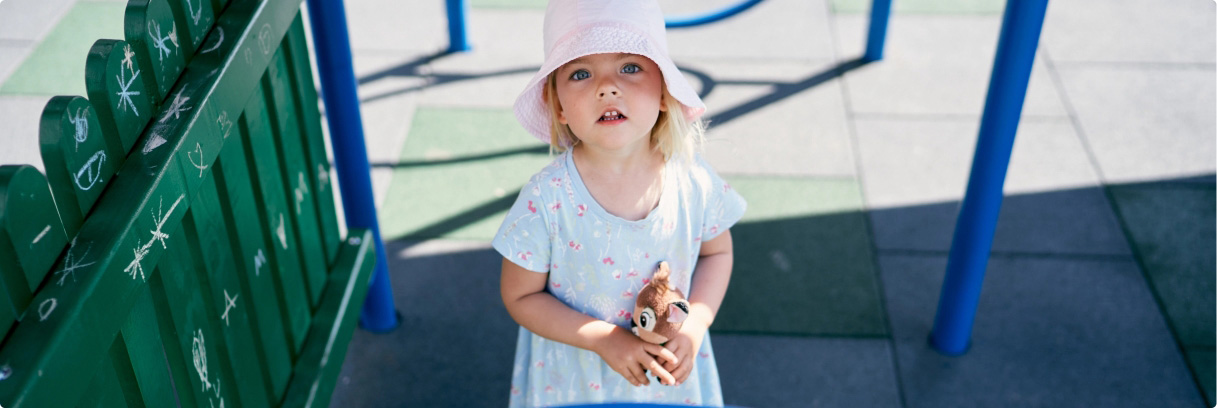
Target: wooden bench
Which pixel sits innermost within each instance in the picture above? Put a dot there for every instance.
(183, 248)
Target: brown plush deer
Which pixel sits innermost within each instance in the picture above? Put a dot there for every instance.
(660, 308)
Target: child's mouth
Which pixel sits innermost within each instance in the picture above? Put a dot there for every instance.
(611, 116)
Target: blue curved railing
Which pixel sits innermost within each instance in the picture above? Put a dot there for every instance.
(707, 18)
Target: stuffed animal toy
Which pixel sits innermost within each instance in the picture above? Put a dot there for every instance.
(660, 309)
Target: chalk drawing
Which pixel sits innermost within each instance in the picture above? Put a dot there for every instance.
(193, 14)
(126, 93)
(72, 262)
(300, 192)
(354, 240)
(199, 350)
(176, 108)
(159, 42)
(225, 123)
(128, 56)
(219, 40)
(141, 251)
(45, 309)
(198, 148)
(231, 302)
(248, 59)
(90, 173)
(323, 175)
(5, 372)
(259, 260)
(40, 235)
(264, 39)
(81, 122)
(282, 230)
(154, 141)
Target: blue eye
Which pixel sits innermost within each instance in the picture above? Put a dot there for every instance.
(580, 75)
(631, 68)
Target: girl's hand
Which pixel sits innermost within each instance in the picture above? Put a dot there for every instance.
(631, 357)
(685, 345)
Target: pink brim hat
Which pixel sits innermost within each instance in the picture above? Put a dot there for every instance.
(575, 28)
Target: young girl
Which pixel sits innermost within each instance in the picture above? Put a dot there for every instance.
(588, 231)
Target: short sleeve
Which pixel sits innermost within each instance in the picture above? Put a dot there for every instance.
(524, 237)
(723, 207)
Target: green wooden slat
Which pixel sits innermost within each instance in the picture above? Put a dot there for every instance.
(229, 296)
(155, 36)
(125, 374)
(118, 89)
(192, 31)
(31, 232)
(268, 188)
(79, 160)
(250, 245)
(177, 358)
(317, 370)
(104, 388)
(287, 131)
(142, 335)
(313, 140)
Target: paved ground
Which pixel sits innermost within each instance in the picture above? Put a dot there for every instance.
(1100, 291)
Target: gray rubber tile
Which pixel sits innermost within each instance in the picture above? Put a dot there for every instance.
(387, 105)
(776, 118)
(478, 79)
(30, 20)
(1047, 333)
(770, 30)
(387, 25)
(915, 174)
(1172, 227)
(19, 134)
(1130, 31)
(12, 53)
(934, 65)
(770, 371)
(1145, 124)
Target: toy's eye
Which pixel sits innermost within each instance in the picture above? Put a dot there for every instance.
(631, 68)
(580, 75)
(647, 319)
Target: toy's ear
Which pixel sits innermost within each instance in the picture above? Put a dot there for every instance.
(678, 311)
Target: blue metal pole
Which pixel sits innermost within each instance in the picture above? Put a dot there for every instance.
(977, 221)
(333, 47)
(692, 21)
(880, 11)
(458, 31)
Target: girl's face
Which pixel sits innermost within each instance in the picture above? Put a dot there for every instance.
(610, 101)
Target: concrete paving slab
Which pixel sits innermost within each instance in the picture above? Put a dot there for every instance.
(1048, 332)
(771, 30)
(934, 65)
(30, 20)
(803, 262)
(387, 104)
(1172, 228)
(778, 118)
(771, 371)
(12, 54)
(478, 79)
(934, 7)
(915, 174)
(1144, 124)
(57, 64)
(19, 134)
(406, 26)
(1130, 31)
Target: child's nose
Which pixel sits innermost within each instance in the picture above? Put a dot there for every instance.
(604, 93)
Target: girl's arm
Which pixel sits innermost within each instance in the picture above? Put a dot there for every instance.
(710, 278)
(540, 312)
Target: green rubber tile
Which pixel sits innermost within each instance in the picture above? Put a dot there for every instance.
(939, 7)
(803, 261)
(1202, 362)
(459, 173)
(508, 4)
(57, 65)
(1172, 228)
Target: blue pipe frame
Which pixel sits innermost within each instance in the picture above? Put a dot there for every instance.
(332, 44)
(1021, 26)
(707, 18)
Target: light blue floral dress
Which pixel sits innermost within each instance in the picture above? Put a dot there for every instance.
(597, 263)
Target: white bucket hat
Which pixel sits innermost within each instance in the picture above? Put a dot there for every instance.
(575, 28)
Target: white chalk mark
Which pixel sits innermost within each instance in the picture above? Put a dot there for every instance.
(136, 265)
(225, 124)
(282, 230)
(259, 260)
(264, 39)
(199, 350)
(154, 141)
(45, 312)
(176, 108)
(126, 93)
(40, 235)
(71, 263)
(198, 148)
(173, 36)
(231, 302)
(195, 15)
(81, 122)
(323, 175)
(354, 240)
(127, 58)
(90, 172)
(218, 41)
(159, 42)
(300, 192)
(248, 59)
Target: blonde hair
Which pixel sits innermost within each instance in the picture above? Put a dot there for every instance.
(672, 135)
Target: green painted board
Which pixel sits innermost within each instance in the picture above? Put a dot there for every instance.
(269, 189)
(295, 167)
(196, 18)
(79, 159)
(117, 87)
(31, 233)
(141, 334)
(313, 140)
(154, 35)
(104, 389)
(175, 355)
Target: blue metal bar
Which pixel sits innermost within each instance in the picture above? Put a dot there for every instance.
(690, 21)
(977, 221)
(880, 11)
(333, 47)
(458, 31)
